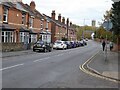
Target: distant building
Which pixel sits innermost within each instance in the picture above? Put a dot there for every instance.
(93, 23)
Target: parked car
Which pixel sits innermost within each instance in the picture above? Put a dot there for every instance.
(73, 44)
(59, 45)
(68, 44)
(42, 46)
(81, 43)
(84, 42)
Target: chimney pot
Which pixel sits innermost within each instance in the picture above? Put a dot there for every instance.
(63, 20)
(70, 23)
(53, 14)
(32, 5)
(67, 21)
(59, 18)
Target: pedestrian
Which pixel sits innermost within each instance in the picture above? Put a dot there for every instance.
(111, 45)
(103, 45)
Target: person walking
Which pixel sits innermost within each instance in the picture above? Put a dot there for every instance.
(103, 45)
(111, 45)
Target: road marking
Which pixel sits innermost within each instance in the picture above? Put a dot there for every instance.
(11, 67)
(93, 74)
(41, 59)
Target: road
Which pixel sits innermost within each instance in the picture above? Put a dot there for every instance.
(57, 69)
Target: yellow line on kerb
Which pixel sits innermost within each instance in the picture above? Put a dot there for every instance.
(81, 67)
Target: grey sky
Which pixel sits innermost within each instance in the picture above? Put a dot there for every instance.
(80, 12)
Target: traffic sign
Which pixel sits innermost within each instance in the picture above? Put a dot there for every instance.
(107, 25)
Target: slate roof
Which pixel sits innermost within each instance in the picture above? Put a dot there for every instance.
(33, 13)
(55, 21)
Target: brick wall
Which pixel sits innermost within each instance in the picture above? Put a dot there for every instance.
(49, 26)
(14, 16)
(36, 23)
(12, 46)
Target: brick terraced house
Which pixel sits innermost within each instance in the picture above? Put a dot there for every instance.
(21, 25)
(60, 29)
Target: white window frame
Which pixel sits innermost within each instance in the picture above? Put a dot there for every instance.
(22, 36)
(31, 22)
(8, 36)
(41, 25)
(33, 38)
(5, 13)
(47, 25)
(23, 18)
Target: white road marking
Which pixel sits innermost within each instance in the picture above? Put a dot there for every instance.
(41, 59)
(11, 67)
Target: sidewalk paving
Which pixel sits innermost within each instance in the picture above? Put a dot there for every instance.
(110, 67)
(16, 53)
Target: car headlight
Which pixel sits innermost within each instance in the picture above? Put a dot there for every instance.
(43, 45)
(34, 45)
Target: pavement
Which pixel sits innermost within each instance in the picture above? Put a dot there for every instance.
(16, 53)
(108, 67)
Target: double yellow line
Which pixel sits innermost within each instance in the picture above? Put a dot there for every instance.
(96, 74)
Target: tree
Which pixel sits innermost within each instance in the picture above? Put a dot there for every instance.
(115, 18)
(107, 15)
(102, 33)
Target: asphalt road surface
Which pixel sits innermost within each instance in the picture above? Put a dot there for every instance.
(57, 69)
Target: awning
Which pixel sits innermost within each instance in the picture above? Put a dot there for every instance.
(32, 31)
(44, 32)
(24, 29)
(6, 27)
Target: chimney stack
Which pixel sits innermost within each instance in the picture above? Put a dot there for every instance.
(63, 20)
(53, 14)
(32, 5)
(59, 18)
(70, 23)
(67, 22)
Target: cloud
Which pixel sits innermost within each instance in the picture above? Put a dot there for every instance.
(76, 10)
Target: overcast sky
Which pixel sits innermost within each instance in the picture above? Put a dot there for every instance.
(80, 12)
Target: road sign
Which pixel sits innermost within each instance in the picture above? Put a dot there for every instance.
(107, 25)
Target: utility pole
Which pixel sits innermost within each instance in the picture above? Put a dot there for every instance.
(67, 28)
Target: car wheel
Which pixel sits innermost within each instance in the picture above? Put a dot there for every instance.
(50, 50)
(33, 50)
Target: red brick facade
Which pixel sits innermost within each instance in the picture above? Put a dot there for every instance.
(30, 21)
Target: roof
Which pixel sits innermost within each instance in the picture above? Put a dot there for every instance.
(6, 27)
(7, 4)
(33, 13)
(24, 29)
(55, 21)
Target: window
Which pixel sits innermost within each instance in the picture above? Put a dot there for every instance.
(3, 36)
(22, 36)
(41, 25)
(47, 24)
(33, 38)
(23, 19)
(5, 15)
(31, 22)
(7, 36)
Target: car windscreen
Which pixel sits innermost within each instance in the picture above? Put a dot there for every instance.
(40, 42)
(58, 42)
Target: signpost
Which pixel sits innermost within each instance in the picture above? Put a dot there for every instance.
(107, 25)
